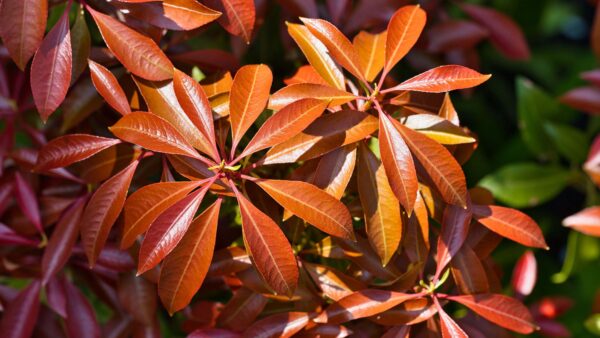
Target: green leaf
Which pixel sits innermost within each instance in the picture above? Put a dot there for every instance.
(593, 324)
(569, 142)
(526, 184)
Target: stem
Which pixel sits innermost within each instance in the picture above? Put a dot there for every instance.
(249, 178)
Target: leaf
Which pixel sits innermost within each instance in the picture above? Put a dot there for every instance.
(371, 53)
(81, 320)
(312, 205)
(327, 133)
(152, 132)
(287, 123)
(248, 98)
(147, 203)
(23, 24)
(239, 18)
(108, 87)
(138, 298)
(510, 223)
(505, 34)
(398, 163)
(570, 142)
(20, 316)
(51, 68)
(360, 304)
(500, 310)
(455, 228)
(66, 150)
(381, 208)
(81, 42)
(61, 243)
(168, 229)
(295, 92)
(443, 79)
(270, 251)
(184, 269)
(194, 102)
(334, 171)
(416, 243)
(404, 29)
(586, 99)
(523, 185)
(450, 328)
(138, 53)
(340, 48)
(468, 272)
(333, 283)
(102, 211)
(282, 325)
(27, 201)
(306, 74)
(241, 310)
(586, 221)
(524, 274)
(317, 55)
(454, 34)
(189, 14)
(216, 84)
(438, 129)
(441, 167)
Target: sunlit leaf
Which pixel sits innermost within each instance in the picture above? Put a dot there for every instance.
(404, 29)
(68, 149)
(443, 79)
(108, 87)
(295, 92)
(23, 23)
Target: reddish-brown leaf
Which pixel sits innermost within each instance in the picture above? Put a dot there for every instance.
(22, 27)
(455, 228)
(360, 304)
(317, 55)
(468, 272)
(282, 325)
(168, 229)
(443, 79)
(340, 48)
(138, 297)
(147, 203)
(189, 14)
(66, 150)
(61, 243)
(269, 249)
(505, 34)
(371, 52)
(312, 205)
(595, 33)
(398, 163)
(194, 102)
(137, 52)
(27, 201)
(20, 315)
(441, 167)
(334, 171)
(51, 68)
(248, 98)
(383, 221)
(287, 123)
(454, 34)
(586, 221)
(81, 319)
(153, 133)
(184, 269)
(416, 243)
(450, 328)
(510, 223)
(239, 18)
(102, 211)
(109, 88)
(241, 310)
(500, 310)
(403, 31)
(295, 92)
(81, 41)
(327, 133)
(333, 283)
(524, 274)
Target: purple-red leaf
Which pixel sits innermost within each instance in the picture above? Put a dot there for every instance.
(27, 201)
(66, 150)
(455, 228)
(81, 320)
(20, 316)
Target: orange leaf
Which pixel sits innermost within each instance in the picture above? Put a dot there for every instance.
(443, 79)
(108, 87)
(404, 30)
(334, 171)
(510, 223)
(371, 52)
(188, 14)
(306, 74)
(295, 92)
(239, 18)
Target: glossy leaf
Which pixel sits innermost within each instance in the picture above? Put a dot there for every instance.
(269, 249)
(20, 316)
(282, 325)
(524, 274)
(102, 211)
(248, 98)
(438, 129)
(404, 29)
(450, 328)
(371, 52)
(455, 228)
(306, 74)
(398, 163)
(317, 55)
(66, 150)
(312, 205)
(586, 221)
(499, 309)
(443, 79)
(153, 133)
(167, 230)
(189, 14)
(383, 221)
(239, 18)
(23, 23)
(51, 67)
(109, 88)
(287, 123)
(184, 269)
(295, 92)
(510, 223)
(138, 53)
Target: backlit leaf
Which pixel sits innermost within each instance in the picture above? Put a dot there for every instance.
(23, 23)
(108, 87)
(449, 327)
(438, 129)
(189, 14)
(239, 17)
(371, 52)
(333, 283)
(306, 74)
(586, 221)
(335, 169)
(404, 30)
(524, 274)
(295, 92)
(66, 150)
(455, 228)
(443, 79)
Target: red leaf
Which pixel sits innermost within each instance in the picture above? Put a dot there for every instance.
(81, 320)
(56, 296)
(20, 316)
(102, 211)
(138, 298)
(442, 79)
(66, 150)
(51, 67)
(137, 52)
(454, 34)
(109, 88)
(239, 17)
(168, 229)
(455, 228)
(22, 27)
(586, 99)
(510, 223)
(283, 325)
(404, 30)
(499, 309)
(241, 310)
(27, 201)
(524, 274)
(449, 327)
(586, 221)
(188, 14)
